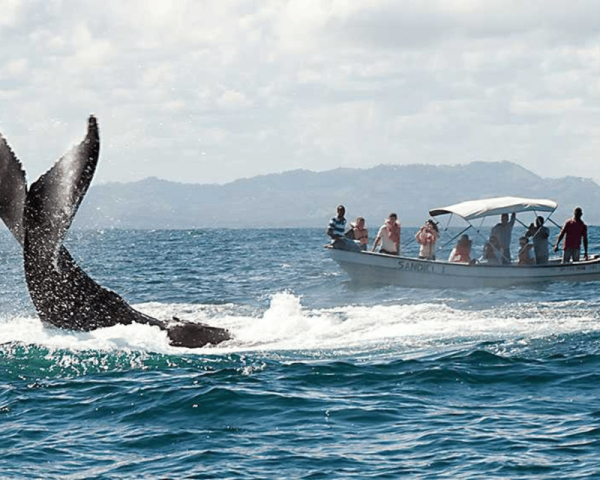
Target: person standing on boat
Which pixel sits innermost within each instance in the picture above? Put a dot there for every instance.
(574, 230)
(427, 236)
(540, 235)
(389, 236)
(503, 232)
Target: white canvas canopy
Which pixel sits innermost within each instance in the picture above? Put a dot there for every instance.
(495, 206)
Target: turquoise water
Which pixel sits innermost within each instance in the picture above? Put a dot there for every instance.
(323, 379)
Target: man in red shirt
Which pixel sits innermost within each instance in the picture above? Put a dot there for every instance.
(575, 230)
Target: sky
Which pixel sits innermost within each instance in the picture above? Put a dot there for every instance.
(212, 91)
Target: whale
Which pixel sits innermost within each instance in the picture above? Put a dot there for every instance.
(39, 217)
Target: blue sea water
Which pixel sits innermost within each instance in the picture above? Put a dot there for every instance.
(323, 379)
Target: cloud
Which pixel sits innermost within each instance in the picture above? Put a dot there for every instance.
(213, 91)
(11, 10)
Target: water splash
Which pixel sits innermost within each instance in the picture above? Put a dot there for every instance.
(287, 325)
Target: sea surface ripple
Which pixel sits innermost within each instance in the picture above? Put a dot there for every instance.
(323, 379)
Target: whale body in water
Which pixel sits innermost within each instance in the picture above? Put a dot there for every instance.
(39, 218)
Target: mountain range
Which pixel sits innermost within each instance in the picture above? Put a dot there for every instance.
(302, 198)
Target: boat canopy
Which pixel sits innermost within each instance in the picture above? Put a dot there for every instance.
(495, 206)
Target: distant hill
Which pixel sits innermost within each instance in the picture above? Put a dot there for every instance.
(302, 198)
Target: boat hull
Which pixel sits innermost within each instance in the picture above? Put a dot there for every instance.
(380, 269)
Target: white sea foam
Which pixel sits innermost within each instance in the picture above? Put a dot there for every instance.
(287, 325)
(30, 330)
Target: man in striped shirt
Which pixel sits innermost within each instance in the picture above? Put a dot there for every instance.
(337, 225)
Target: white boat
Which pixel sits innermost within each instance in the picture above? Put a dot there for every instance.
(383, 269)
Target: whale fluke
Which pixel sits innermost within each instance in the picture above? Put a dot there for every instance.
(53, 200)
(63, 294)
(13, 190)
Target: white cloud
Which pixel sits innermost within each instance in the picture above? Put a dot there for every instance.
(213, 91)
(10, 12)
(16, 67)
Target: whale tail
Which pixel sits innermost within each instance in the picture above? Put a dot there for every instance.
(63, 294)
(13, 191)
(53, 200)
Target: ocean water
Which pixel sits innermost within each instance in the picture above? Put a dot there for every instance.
(323, 379)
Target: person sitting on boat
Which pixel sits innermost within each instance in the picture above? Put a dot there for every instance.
(491, 252)
(462, 252)
(360, 233)
(389, 236)
(526, 255)
(427, 236)
(337, 225)
(539, 235)
(503, 231)
(574, 230)
(336, 230)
